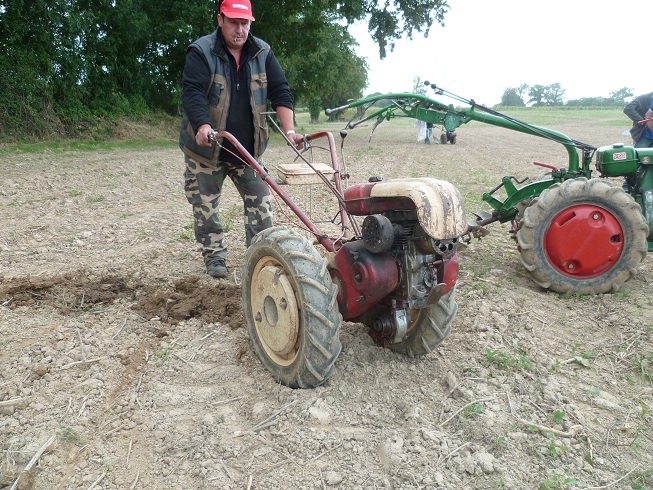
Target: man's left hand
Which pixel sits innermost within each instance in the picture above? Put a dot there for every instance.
(297, 140)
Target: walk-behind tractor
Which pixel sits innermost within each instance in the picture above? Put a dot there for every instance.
(392, 265)
(575, 233)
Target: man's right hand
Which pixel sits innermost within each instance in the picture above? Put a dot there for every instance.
(202, 136)
(649, 115)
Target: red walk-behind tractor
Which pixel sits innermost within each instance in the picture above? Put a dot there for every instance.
(392, 266)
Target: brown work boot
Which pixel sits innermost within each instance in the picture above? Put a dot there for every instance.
(215, 266)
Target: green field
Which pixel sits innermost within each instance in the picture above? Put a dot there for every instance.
(163, 134)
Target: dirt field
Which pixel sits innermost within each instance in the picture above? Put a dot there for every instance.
(131, 369)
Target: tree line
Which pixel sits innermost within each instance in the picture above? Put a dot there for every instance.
(66, 65)
(553, 95)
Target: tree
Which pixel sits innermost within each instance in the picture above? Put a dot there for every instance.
(620, 96)
(72, 61)
(522, 90)
(589, 102)
(553, 94)
(387, 21)
(550, 95)
(511, 97)
(536, 94)
(27, 68)
(329, 73)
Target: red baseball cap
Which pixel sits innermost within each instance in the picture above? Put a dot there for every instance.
(237, 9)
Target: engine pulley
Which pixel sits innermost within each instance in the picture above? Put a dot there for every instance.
(390, 327)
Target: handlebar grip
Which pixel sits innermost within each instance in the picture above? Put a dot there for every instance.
(213, 137)
(328, 112)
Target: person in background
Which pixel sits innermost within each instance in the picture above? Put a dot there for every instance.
(639, 109)
(429, 133)
(228, 78)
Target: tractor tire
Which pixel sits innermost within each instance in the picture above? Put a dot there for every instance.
(429, 328)
(290, 308)
(522, 205)
(443, 139)
(583, 237)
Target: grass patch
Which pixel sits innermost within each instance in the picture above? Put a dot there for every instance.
(95, 199)
(473, 410)
(504, 360)
(63, 146)
(69, 436)
(142, 133)
(558, 416)
(229, 217)
(645, 367)
(551, 116)
(556, 481)
(187, 233)
(583, 357)
(642, 481)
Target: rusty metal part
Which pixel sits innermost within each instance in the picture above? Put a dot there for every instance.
(436, 293)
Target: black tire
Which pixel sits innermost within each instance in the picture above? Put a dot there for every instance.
(582, 236)
(290, 308)
(443, 139)
(428, 328)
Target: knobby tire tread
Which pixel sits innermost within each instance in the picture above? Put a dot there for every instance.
(320, 319)
(430, 328)
(536, 219)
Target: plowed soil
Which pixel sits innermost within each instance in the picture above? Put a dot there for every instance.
(124, 366)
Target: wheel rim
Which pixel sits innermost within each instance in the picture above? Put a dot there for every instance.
(275, 311)
(584, 241)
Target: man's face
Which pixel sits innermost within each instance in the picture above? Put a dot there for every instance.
(234, 31)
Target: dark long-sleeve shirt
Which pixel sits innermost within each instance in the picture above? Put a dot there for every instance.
(636, 110)
(197, 78)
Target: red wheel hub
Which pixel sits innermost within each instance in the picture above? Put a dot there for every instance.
(584, 241)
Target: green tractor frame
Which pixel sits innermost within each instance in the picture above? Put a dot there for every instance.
(575, 233)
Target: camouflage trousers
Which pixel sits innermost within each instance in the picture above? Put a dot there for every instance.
(203, 185)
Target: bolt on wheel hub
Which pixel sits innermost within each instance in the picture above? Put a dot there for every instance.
(275, 310)
(584, 241)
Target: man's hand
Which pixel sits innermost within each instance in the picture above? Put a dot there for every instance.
(202, 136)
(649, 115)
(297, 140)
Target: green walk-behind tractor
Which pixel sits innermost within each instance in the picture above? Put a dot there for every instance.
(575, 233)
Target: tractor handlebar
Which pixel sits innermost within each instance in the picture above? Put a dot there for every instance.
(328, 112)
(423, 108)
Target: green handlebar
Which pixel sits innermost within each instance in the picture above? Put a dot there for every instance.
(425, 109)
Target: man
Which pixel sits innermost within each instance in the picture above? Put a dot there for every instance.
(228, 78)
(429, 132)
(641, 108)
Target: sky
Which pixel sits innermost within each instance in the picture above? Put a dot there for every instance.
(589, 47)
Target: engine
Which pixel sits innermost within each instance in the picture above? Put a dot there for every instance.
(395, 269)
